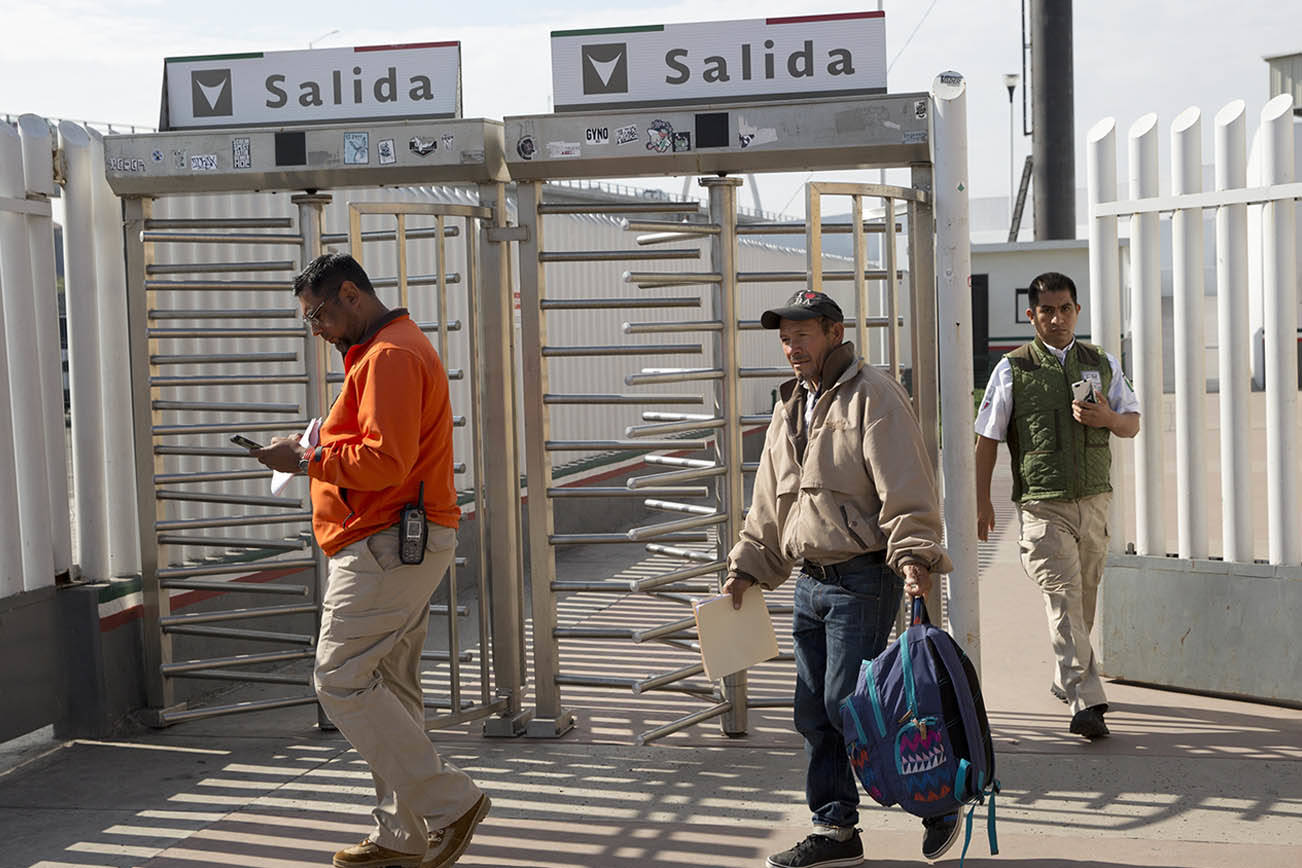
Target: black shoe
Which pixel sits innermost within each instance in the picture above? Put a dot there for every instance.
(820, 851)
(1058, 692)
(939, 834)
(1089, 722)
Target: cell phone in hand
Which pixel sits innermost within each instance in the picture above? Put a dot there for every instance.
(1081, 390)
(241, 440)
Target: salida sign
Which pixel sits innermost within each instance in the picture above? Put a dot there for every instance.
(288, 87)
(719, 61)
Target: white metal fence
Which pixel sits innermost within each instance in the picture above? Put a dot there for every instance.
(33, 464)
(1257, 246)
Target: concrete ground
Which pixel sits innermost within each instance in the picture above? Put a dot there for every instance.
(1184, 781)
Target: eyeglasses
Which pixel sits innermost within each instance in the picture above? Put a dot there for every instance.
(312, 317)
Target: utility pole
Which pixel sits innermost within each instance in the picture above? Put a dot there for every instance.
(1053, 140)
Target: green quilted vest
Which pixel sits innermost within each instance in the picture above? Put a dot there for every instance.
(1054, 456)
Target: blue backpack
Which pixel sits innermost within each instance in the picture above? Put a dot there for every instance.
(916, 728)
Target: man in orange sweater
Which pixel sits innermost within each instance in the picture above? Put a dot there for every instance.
(386, 443)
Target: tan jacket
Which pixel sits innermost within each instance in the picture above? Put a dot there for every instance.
(857, 481)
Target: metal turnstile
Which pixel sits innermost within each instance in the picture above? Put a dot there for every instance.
(242, 361)
(207, 379)
(696, 458)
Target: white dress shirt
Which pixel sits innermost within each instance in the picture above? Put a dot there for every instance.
(997, 405)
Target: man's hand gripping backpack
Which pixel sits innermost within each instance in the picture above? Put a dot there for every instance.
(916, 728)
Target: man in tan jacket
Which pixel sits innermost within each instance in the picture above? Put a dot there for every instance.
(846, 491)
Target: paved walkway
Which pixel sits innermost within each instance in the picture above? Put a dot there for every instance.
(1184, 782)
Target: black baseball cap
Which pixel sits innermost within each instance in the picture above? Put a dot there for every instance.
(805, 304)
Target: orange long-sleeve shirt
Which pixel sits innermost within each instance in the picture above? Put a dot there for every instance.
(389, 430)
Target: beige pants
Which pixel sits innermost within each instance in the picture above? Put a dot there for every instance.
(1064, 544)
(368, 681)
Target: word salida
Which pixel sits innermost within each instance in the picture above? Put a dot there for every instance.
(800, 64)
(384, 88)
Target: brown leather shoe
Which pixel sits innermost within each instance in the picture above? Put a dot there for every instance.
(369, 854)
(447, 844)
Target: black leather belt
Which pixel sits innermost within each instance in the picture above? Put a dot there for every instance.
(855, 564)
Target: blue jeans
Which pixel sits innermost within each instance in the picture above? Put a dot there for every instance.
(841, 619)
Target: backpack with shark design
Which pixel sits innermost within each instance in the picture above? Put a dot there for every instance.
(916, 728)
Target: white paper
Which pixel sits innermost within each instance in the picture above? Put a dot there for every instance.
(311, 436)
(733, 639)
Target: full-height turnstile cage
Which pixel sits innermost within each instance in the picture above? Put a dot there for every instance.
(695, 372)
(218, 347)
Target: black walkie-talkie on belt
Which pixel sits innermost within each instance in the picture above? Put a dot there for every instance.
(412, 530)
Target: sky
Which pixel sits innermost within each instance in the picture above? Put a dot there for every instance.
(88, 60)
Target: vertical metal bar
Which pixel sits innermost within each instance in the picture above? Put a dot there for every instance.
(727, 356)
(860, 285)
(550, 718)
(400, 240)
(496, 378)
(921, 250)
(1234, 373)
(316, 401)
(1190, 346)
(926, 391)
(25, 429)
(441, 285)
(471, 284)
(912, 253)
(954, 297)
(83, 357)
(156, 645)
(1279, 276)
(441, 258)
(355, 235)
(38, 174)
(1146, 286)
(1105, 290)
(115, 392)
(892, 291)
(813, 238)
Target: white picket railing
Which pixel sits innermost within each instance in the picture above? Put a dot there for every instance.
(33, 471)
(1254, 203)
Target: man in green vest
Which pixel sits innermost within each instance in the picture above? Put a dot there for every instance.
(1057, 401)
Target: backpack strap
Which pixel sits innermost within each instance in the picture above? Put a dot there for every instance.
(990, 820)
(967, 835)
(990, 825)
(971, 726)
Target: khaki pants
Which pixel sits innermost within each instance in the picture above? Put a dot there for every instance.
(367, 678)
(1064, 544)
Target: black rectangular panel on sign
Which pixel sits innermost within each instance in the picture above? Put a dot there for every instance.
(291, 149)
(712, 130)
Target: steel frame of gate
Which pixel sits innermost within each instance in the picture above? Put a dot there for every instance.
(487, 234)
(728, 701)
(146, 282)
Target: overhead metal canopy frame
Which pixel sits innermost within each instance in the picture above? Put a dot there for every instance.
(697, 457)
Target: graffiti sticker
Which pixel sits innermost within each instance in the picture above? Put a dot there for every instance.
(660, 136)
(241, 154)
(626, 135)
(421, 147)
